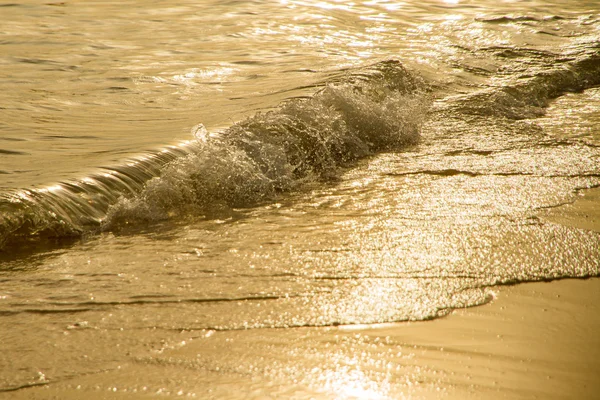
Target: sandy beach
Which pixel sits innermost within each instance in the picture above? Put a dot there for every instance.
(300, 200)
(536, 340)
(584, 213)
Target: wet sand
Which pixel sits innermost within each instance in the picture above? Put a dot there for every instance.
(584, 213)
(536, 340)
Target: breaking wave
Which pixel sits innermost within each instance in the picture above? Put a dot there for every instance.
(376, 109)
(529, 95)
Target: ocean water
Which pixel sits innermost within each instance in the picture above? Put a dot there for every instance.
(204, 166)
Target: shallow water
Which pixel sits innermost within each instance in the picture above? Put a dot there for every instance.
(357, 164)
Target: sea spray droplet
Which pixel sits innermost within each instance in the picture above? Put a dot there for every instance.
(200, 133)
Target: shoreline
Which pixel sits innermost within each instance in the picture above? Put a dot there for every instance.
(583, 213)
(534, 340)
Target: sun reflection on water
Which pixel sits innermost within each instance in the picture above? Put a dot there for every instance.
(353, 384)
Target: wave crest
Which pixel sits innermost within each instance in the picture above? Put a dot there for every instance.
(272, 152)
(377, 108)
